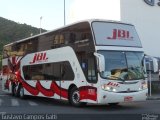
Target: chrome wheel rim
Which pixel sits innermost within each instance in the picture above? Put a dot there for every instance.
(21, 92)
(76, 97)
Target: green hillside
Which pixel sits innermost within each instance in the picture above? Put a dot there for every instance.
(11, 31)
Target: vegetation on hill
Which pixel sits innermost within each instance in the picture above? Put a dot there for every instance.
(11, 31)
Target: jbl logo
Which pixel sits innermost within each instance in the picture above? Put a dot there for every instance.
(120, 34)
(113, 84)
(39, 57)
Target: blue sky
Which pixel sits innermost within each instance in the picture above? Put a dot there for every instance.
(30, 11)
(52, 11)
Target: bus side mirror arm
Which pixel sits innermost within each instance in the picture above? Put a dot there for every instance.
(100, 62)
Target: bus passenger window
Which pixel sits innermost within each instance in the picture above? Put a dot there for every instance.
(72, 37)
(56, 71)
(56, 40)
(67, 72)
(84, 36)
(61, 39)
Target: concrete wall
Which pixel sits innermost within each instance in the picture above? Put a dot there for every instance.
(146, 18)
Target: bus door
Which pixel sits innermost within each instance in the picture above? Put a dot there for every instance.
(91, 70)
(88, 65)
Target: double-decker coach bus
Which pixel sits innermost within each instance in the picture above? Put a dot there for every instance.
(93, 61)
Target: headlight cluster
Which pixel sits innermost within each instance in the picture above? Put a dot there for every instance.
(108, 88)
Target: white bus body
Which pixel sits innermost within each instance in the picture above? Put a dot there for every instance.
(93, 61)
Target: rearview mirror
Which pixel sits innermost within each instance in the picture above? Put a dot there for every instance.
(100, 62)
(152, 64)
(155, 64)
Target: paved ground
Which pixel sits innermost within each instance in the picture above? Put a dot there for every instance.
(38, 106)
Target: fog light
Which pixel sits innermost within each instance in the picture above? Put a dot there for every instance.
(104, 96)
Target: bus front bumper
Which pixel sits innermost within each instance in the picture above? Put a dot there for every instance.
(105, 97)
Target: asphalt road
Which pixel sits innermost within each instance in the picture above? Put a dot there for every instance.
(43, 108)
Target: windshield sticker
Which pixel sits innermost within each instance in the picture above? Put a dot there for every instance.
(118, 34)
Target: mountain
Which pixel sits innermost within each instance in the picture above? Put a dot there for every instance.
(11, 31)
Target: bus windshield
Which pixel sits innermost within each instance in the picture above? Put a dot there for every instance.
(121, 65)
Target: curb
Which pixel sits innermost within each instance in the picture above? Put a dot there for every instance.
(153, 98)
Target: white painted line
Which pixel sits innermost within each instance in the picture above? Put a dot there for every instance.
(14, 102)
(32, 103)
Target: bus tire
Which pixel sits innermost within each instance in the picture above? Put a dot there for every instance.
(74, 98)
(21, 92)
(13, 90)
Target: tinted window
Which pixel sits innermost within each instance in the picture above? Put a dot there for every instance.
(49, 71)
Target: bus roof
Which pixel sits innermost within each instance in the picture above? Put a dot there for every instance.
(88, 20)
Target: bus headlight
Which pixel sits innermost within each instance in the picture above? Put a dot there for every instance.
(108, 88)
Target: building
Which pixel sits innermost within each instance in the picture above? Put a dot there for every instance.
(145, 15)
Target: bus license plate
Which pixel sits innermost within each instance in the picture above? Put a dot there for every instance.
(128, 99)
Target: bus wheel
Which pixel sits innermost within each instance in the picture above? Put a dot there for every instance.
(21, 92)
(14, 90)
(74, 98)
